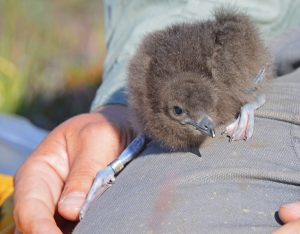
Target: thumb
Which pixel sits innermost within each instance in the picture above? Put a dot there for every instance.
(98, 146)
(290, 212)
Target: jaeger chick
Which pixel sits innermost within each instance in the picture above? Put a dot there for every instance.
(186, 79)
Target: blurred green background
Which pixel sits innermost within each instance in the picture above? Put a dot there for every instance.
(51, 56)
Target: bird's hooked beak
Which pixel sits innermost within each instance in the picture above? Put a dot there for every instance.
(205, 126)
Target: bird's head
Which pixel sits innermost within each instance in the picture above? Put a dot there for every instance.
(203, 124)
(188, 102)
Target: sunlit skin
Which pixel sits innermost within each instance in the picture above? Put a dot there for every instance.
(67, 161)
(290, 215)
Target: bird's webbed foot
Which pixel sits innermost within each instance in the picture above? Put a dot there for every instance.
(106, 176)
(242, 128)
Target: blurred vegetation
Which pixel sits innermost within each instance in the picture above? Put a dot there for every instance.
(51, 55)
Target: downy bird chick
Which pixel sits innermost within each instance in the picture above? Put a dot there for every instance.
(186, 80)
(189, 78)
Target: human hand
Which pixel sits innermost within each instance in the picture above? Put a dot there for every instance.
(290, 215)
(56, 178)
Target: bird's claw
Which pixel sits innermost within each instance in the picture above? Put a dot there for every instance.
(242, 128)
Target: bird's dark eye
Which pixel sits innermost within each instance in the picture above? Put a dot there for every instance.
(178, 110)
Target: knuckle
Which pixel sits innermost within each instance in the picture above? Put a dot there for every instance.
(87, 173)
(97, 129)
(83, 174)
(82, 180)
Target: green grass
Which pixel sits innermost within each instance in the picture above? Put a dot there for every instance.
(49, 50)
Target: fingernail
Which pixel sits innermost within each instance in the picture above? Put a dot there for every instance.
(72, 201)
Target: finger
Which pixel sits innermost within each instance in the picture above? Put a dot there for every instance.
(290, 212)
(38, 184)
(35, 203)
(290, 228)
(100, 143)
(43, 220)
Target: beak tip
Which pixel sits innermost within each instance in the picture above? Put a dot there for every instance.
(206, 126)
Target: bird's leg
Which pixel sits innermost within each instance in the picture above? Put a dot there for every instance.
(106, 176)
(242, 128)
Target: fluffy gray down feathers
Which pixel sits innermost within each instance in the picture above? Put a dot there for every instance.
(202, 68)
